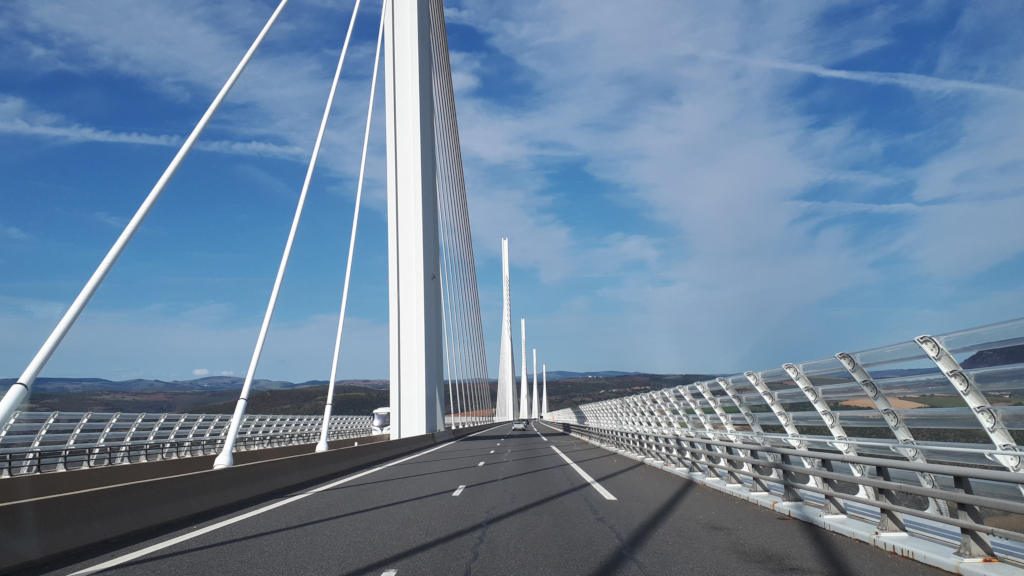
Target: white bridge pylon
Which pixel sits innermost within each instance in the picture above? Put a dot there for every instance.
(524, 400)
(506, 405)
(428, 224)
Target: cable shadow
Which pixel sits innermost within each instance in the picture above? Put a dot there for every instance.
(825, 549)
(469, 529)
(627, 550)
(446, 470)
(422, 474)
(154, 558)
(477, 451)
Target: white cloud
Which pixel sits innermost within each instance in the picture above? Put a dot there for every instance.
(904, 80)
(161, 341)
(17, 117)
(12, 233)
(272, 111)
(715, 150)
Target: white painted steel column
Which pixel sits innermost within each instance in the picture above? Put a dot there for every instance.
(830, 418)
(506, 361)
(524, 406)
(908, 445)
(18, 391)
(321, 446)
(414, 290)
(534, 413)
(225, 458)
(976, 400)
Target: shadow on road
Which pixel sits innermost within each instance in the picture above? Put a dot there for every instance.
(452, 536)
(627, 551)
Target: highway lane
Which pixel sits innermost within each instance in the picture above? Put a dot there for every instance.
(524, 511)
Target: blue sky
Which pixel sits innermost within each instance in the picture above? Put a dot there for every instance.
(688, 186)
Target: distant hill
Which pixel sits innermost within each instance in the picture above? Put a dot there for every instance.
(212, 394)
(563, 374)
(593, 387)
(995, 357)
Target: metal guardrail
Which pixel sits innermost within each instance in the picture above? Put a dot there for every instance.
(922, 434)
(36, 442)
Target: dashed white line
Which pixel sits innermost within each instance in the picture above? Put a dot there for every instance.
(459, 490)
(499, 443)
(539, 434)
(480, 464)
(389, 573)
(235, 519)
(597, 486)
(492, 451)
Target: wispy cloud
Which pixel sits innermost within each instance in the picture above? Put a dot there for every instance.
(917, 82)
(51, 126)
(13, 232)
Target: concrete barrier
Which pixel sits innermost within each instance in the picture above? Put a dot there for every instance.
(44, 529)
(50, 483)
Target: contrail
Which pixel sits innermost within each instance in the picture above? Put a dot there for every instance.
(910, 81)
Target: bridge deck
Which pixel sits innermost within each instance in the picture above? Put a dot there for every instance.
(524, 511)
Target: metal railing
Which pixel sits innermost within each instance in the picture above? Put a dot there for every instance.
(919, 437)
(36, 442)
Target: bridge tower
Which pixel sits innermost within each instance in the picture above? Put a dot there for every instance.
(506, 409)
(524, 400)
(414, 290)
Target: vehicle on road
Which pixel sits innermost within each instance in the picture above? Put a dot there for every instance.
(519, 425)
(381, 421)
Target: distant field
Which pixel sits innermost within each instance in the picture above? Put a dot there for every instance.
(900, 403)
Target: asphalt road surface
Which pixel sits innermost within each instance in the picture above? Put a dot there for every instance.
(503, 502)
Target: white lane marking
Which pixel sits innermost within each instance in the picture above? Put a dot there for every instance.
(459, 490)
(539, 434)
(597, 486)
(389, 573)
(492, 451)
(499, 443)
(235, 519)
(480, 464)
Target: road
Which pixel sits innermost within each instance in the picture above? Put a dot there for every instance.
(504, 502)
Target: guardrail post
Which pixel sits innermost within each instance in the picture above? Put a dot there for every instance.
(888, 520)
(833, 506)
(973, 544)
(789, 492)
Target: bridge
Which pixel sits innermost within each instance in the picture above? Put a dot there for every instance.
(903, 459)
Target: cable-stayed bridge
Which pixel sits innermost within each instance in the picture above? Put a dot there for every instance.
(900, 460)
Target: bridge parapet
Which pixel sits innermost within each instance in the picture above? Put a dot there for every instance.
(913, 447)
(36, 442)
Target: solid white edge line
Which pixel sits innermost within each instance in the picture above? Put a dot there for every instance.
(597, 486)
(459, 490)
(235, 519)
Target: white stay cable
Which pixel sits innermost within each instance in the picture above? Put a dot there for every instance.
(225, 459)
(17, 393)
(447, 356)
(465, 261)
(322, 444)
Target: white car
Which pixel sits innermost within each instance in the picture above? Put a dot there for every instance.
(519, 425)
